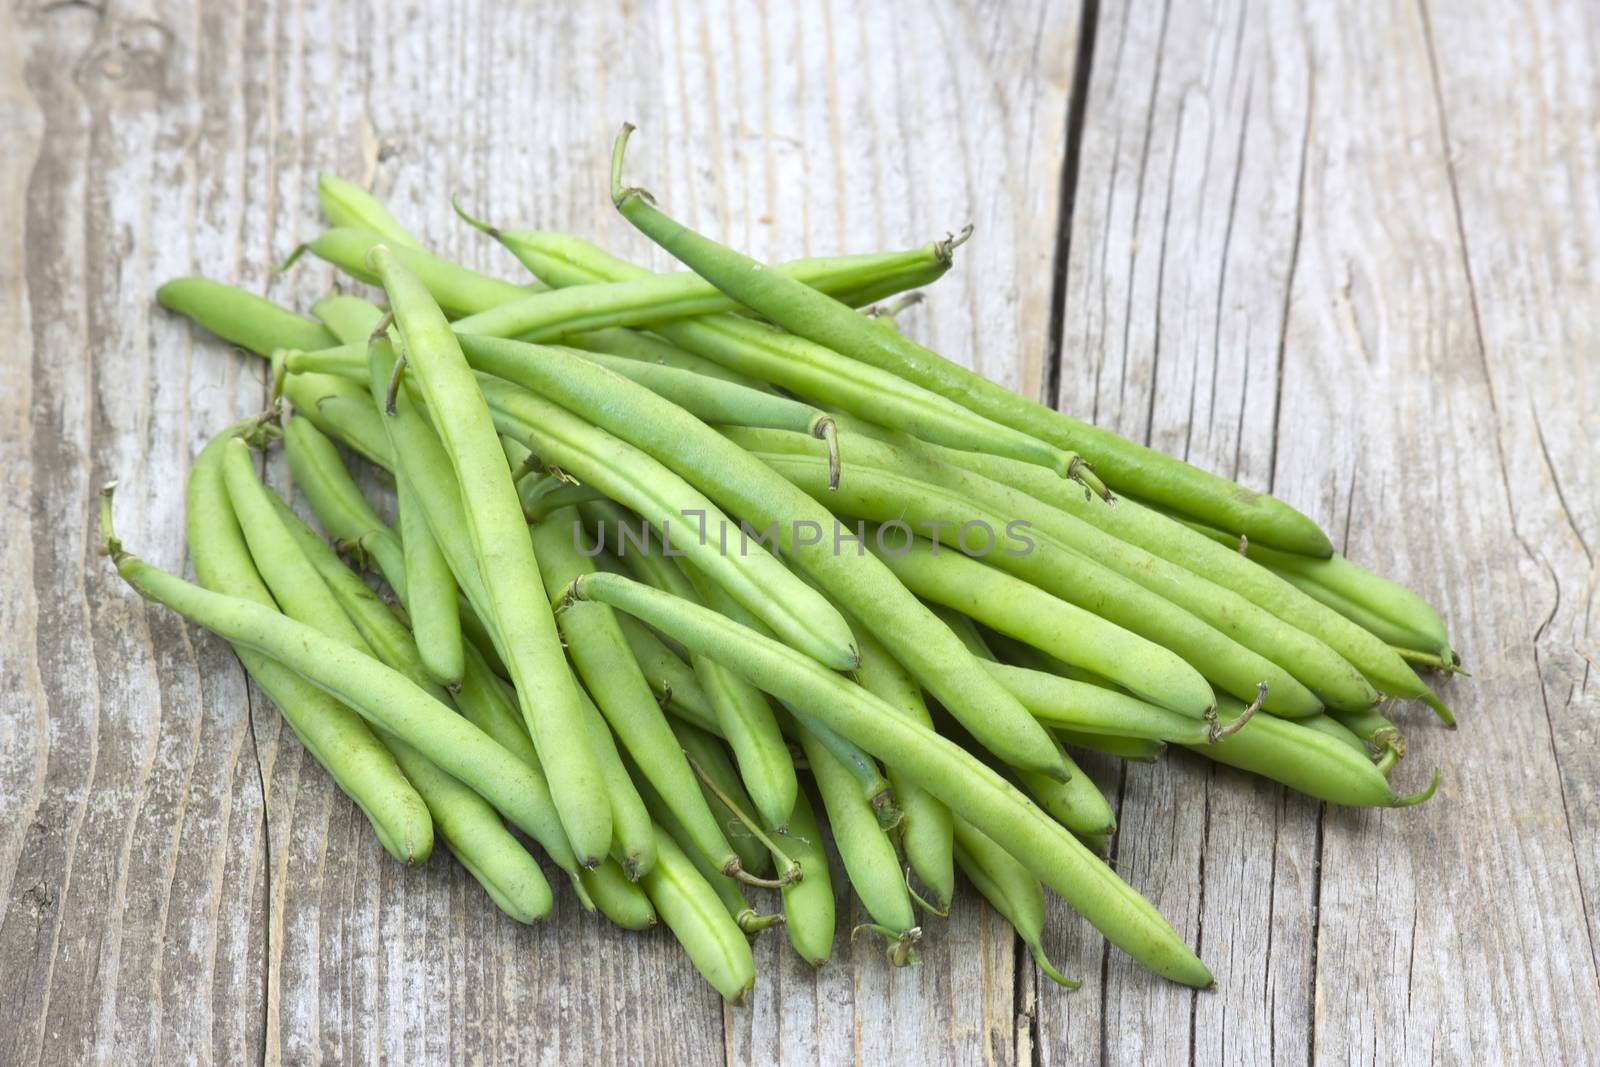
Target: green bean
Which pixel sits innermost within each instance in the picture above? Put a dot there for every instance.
(337, 502)
(1065, 703)
(925, 833)
(1381, 738)
(341, 409)
(755, 579)
(621, 901)
(633, 842)
(817, 317)
(545, 252)
(350, 319)
(1404, 611)
(870, 782)
(647, 348)
(347, 204)
(870, 862)
(950, 773)
(600, 654)
(670, 679)
(1010, 889)
(743, 486)
(471, 828)
(1177, 542)
(885, 496)
(381, 694)
(808, 904)
(705, 752)
(1138, 749)
(241, 318)
(1307, 761)
(1304, 658)
(759, 353)
(727, 889)
(336, 736)
(431, 602)
(649, 298)
(501, 549)
(1012, 606)
(743, 715)
(457, 290)
(1332, 727)
(690, 908)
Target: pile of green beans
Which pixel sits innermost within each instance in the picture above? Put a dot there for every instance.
(684, 575)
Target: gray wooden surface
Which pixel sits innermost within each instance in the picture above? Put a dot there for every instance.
(1349, 252)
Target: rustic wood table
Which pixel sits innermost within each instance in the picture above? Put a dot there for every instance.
(1348, 252)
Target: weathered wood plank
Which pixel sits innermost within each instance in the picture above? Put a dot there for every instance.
(1270, 274)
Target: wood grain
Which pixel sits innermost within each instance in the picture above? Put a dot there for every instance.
(1344, 252)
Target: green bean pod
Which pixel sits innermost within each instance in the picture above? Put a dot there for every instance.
(1010, 890)
(924, 828)
(600, 654)
(1330, 726)
(706, 754)
(755, 579)
(886, 496)
(671, 680)
(341, 409)
(350, 319)
(241, 318)
(1307, 761)
(745, 487)
(1382, 738)
(1221, 563)
(690, 908)
(502, 551)
(648, 348)
(862, 769)
(633, 842)
(347, 204)
(431, 596)
(381, 694)
(336, 736)
(869, 857)
(803, 311)
(623, 902)
(1064, 630)
(456, 289)
(950, 773)
(756, 352)
(1084, 708)
(809, 909)
(727, 889)
(742, 713)
(1138, 749)
(469, 825)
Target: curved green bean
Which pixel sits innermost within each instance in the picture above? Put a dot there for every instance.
(870, 862)
(350, 319)
(1303, 657)
(335, 735)
(947, 771)
(690, 908)
(804, 311)
(809, 910)
(633, 841)
(347, 204)
(600, 653)
(1307, 761)
(341, 409)
(1065, 703)
(241, 318)
(1010, 889)
(1064, 630)
(924, 827)
(501, 549)
(456, 289)
(431, 592)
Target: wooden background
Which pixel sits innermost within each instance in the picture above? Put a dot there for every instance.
(1345, 251)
